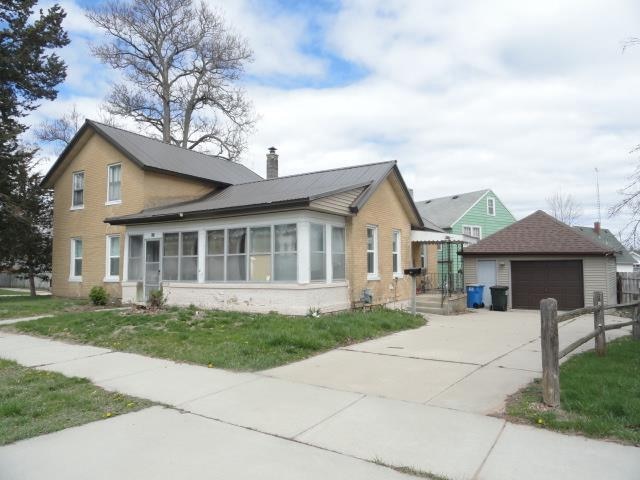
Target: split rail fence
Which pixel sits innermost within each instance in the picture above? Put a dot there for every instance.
(551, 353)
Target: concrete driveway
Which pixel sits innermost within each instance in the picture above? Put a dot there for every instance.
(468, 362)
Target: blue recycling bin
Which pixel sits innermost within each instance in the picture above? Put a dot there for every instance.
(474, 296)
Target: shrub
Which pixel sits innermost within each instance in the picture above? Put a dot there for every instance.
(98, 296)
(156, 299)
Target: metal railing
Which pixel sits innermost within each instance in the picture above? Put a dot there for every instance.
(444, 283)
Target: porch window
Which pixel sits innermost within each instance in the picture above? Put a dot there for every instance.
(189, 256)
(114, 183)
(76, 259)
(260, 258)
(170, 257)
(134, 272)
(285, 259)
(372, 252)
(395, 253)
(214, 270)
(337, 253)
(318, 261)
(237, 254)
(491, 206)
(77, 198)
(113, 257)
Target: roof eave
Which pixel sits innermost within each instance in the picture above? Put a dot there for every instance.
(181, 216)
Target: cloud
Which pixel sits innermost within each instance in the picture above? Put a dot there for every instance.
(525, 98)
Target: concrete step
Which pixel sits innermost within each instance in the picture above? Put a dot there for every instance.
(432, 310)
(429, 304)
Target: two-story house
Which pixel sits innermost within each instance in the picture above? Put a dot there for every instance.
(135, 215)
(472, 215)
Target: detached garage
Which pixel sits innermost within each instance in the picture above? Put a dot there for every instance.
(541, 257)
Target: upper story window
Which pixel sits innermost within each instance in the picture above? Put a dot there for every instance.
(114, 183)
(491, 206)
(372, 252)
(472, 231)
(395, 253)
(77, 196)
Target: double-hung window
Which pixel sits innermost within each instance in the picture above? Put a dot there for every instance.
(491, 206)
(318, 252)
(423, 255)
(395, 253)
(472, 231)
(114, 183)
(260, 258)
(134, 270)
(372, 252)
(285, 255)
(337, 253)
(76, 259)
(77, 196)
(113, 257)
(214, 269)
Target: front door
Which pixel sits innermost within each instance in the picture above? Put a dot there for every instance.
(487, 277)
(151, 267)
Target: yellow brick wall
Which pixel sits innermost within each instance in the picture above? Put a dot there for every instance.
(140, 190)
(384, 210)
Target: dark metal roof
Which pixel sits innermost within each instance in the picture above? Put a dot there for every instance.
(282, 192)
(151, 154)
(537, 234)
(446, 211)
(609, 241)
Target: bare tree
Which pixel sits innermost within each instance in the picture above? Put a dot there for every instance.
(180, 62)
(630, 204)
(59, 131)
(564, 208)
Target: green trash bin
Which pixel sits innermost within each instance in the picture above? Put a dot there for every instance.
(499, 298)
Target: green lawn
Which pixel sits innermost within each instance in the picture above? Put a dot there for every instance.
(26, 306)
(237, 341)
(600, 396)
(34, 402)
(4, 291)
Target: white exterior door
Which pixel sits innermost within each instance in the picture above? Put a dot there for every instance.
(487, 277)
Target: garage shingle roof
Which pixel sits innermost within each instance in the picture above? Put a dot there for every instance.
(537, 234)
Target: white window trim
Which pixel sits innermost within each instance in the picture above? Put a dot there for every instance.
(72, 258)
(107, 271)
(493, 201)
(471, 227)
(73, 189)
(376, 272)
(113, 202)
(400, 272)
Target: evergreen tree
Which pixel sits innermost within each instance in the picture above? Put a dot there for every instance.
(29, 71)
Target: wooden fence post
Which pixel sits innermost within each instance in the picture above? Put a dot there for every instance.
(598, 324)
(550, 362)
(635, 329)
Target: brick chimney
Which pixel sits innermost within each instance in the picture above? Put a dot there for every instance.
(596, 227)
(272, 163)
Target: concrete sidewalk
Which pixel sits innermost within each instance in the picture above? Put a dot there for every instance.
(243, 416)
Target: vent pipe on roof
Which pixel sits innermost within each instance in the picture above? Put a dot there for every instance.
(411, 192)
(272, 163)
(596, 227)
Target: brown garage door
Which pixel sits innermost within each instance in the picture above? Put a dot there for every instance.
(559, 279)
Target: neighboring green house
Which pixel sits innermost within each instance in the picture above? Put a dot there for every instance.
(473, 214)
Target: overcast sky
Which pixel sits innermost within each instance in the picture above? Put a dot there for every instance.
(526, 98)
